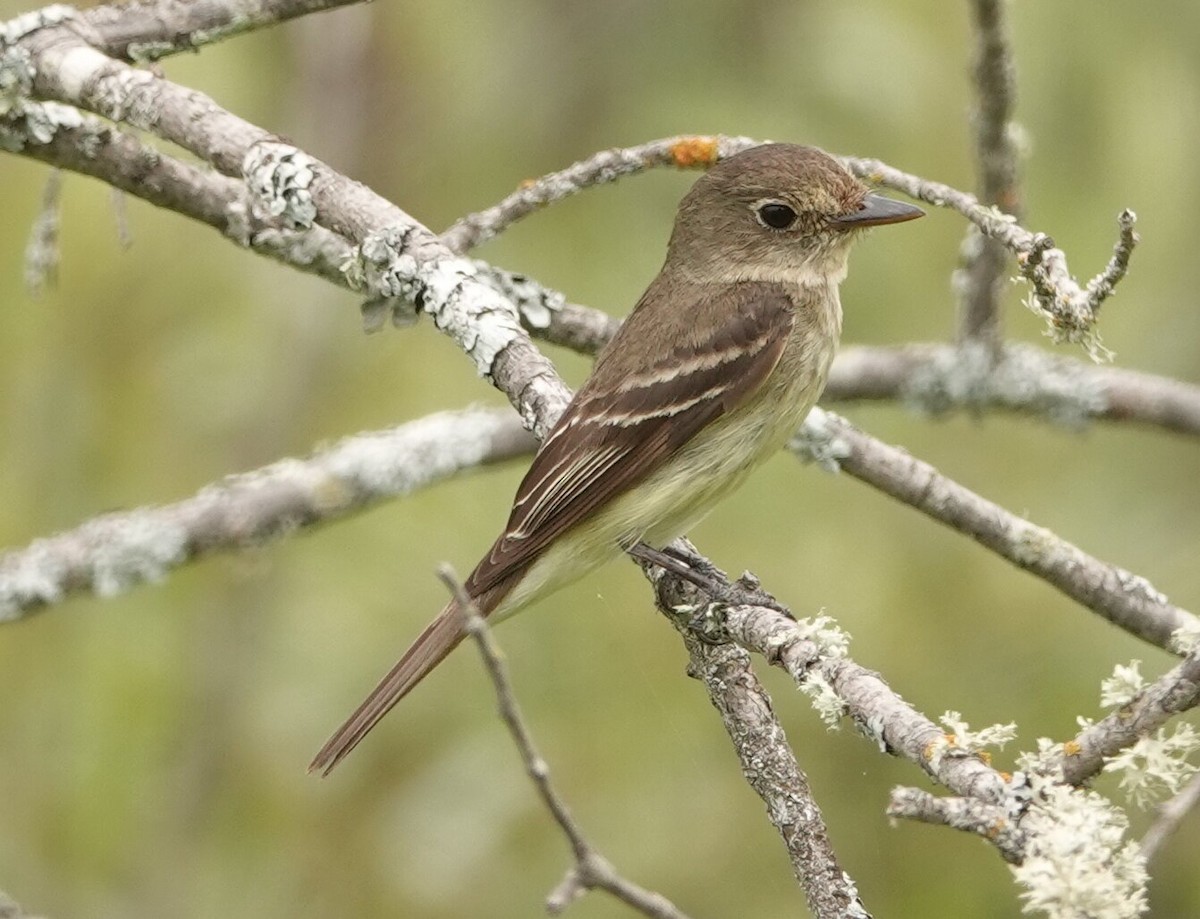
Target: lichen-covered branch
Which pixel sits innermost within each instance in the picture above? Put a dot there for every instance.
(936, 379)
(149, 30)
(117, 551)
(1069, 309)
(989, 821)
(768, 763)
(1178, 690)
(1124, 599)
(396, 255)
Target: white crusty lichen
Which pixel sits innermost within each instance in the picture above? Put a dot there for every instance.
(278, 177)
(39, 122)
(1025, 379)
(110, 554)
(1077, 864)
(1124, 684)
(536, 304)
(816, 442)
(960, 740)
(404, 459)
(445, 286)
(16, 79)
(1156, 766)
(1186, 639)
(828, 704)
(825, 632)
(27, 23)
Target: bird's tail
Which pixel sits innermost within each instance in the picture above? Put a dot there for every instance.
(431, 647)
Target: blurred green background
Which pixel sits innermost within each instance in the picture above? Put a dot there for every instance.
(154, 746)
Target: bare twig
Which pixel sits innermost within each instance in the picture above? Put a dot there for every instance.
(1124, 599)
(1101, 286)
(591, 870)
(1069, 309)
(980, 281)
(684, 152)
(1170, 816)
(42, 252)
(150, 30)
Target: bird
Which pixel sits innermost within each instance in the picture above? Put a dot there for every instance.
(713, 371)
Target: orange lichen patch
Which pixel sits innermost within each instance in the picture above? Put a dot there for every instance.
(985, 756)
(1005, 776)
(1072, 748)
(526, 183)
(994, 831)
(694, 151)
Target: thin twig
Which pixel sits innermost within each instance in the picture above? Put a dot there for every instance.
(980, 280)
(1101, 286)
(989, 821)
(1177, 690)
(41, 252)
(591, 870)
(1058, 297)
(1069, 309)
(683, 152)
(1124, 599)
(1170, 815)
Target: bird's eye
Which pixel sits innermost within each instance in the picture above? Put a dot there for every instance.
(775, 215)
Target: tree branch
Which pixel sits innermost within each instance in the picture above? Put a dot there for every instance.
(1178, 690)
(149, 30)
(989, 821)
(980, 280)
(1124, 599)
(937, 379)
(1170, 815)
(767, 761)
(591, 869)
(117, 551)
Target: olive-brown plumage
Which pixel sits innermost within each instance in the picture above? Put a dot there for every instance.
(714, 370)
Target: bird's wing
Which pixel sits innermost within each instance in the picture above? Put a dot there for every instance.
(619, 428)
(624, 425)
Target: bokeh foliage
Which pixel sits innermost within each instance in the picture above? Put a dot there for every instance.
(153, 746)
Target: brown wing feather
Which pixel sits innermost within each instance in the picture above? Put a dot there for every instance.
(610, 439)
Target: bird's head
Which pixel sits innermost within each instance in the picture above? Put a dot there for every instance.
(777, 212)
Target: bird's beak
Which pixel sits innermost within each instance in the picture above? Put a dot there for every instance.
(877, 210)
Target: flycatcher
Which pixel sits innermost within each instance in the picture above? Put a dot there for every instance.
(712, 372)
